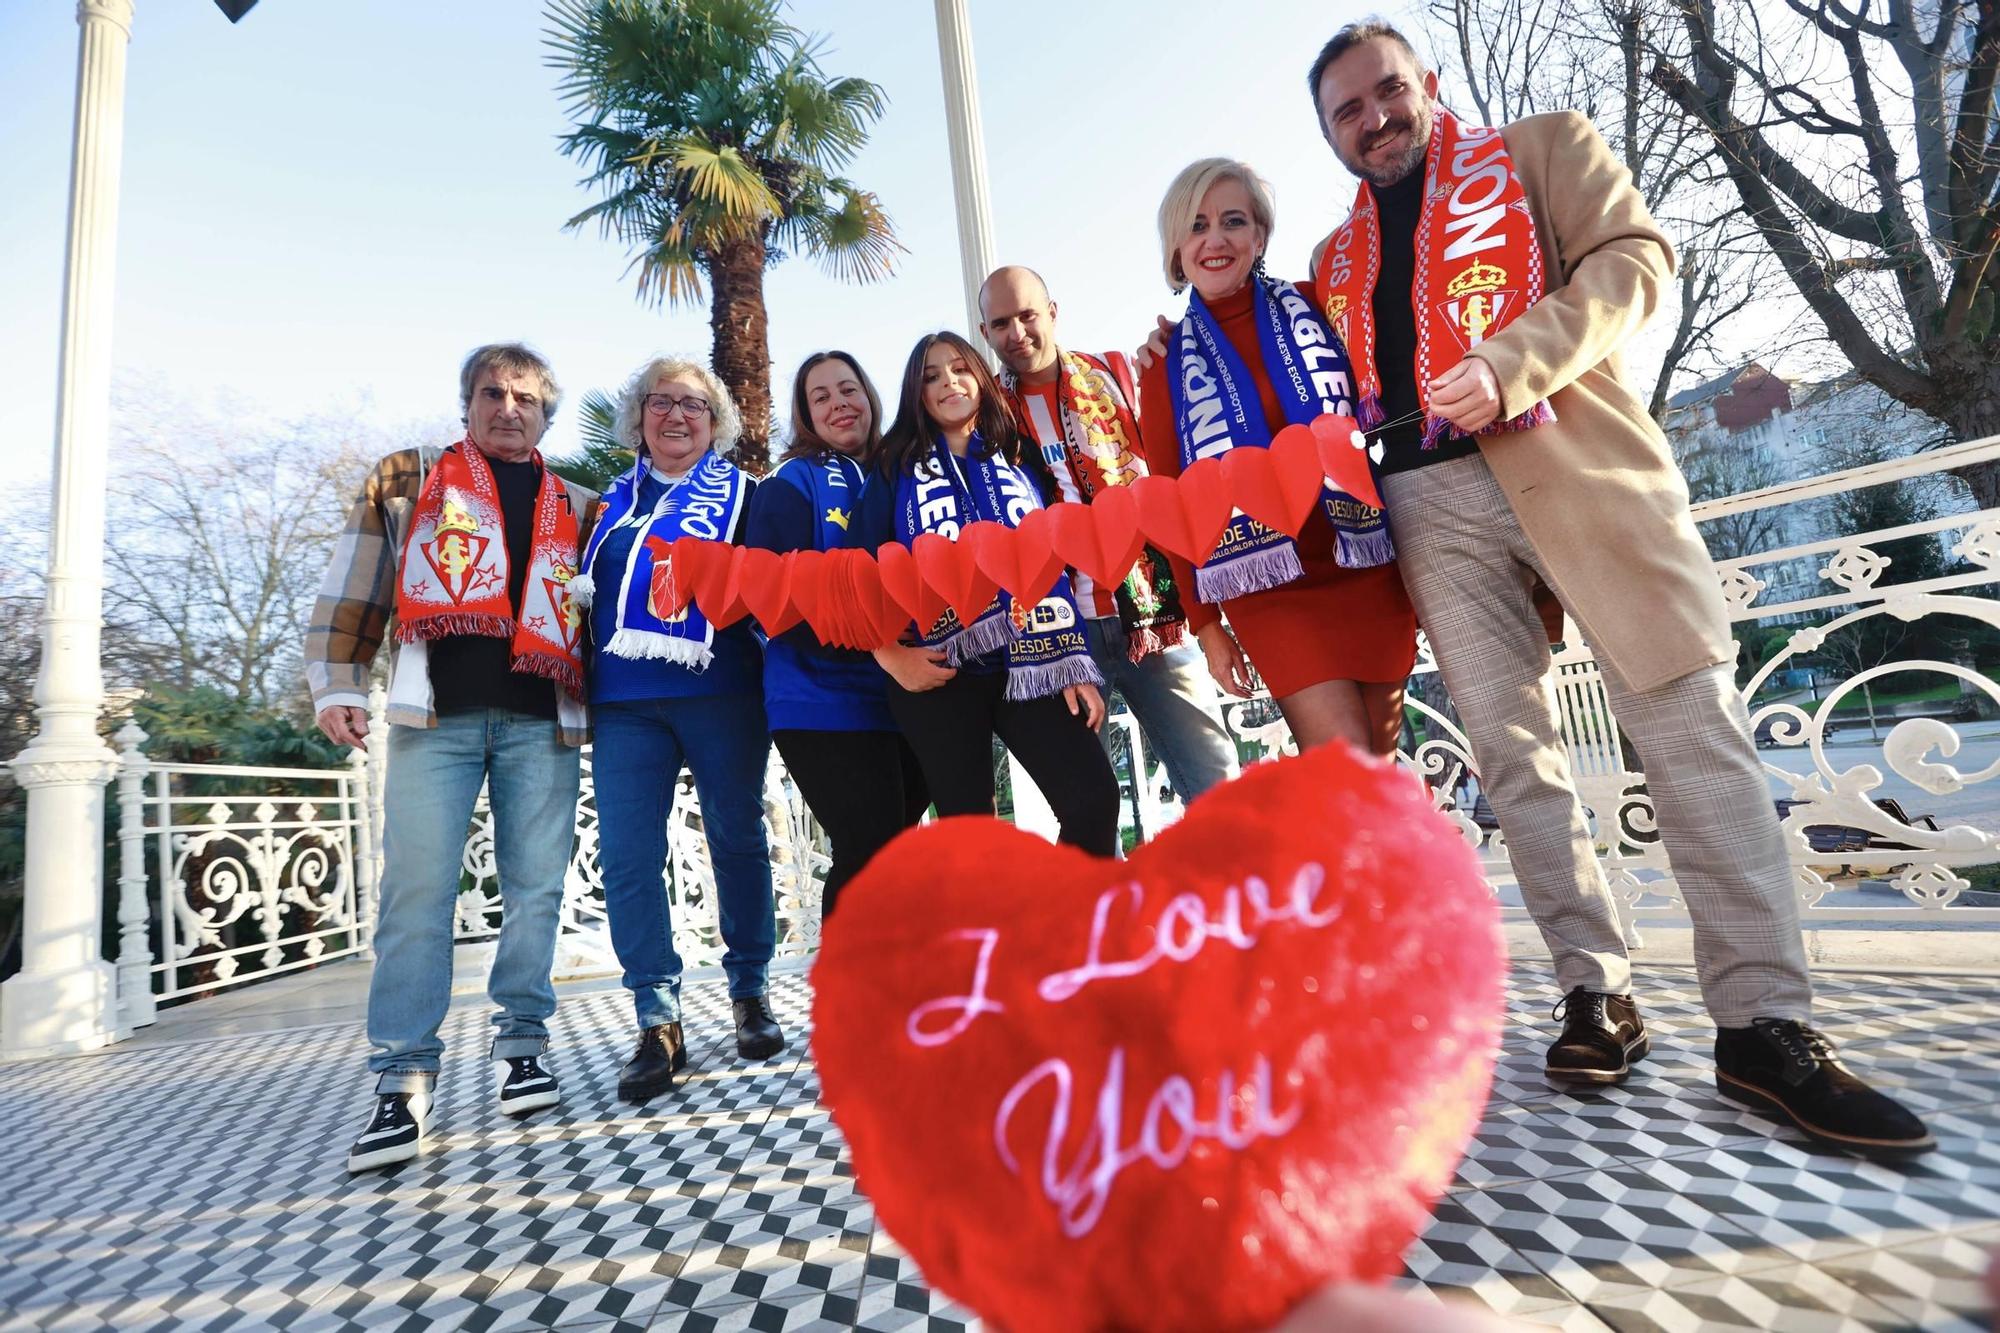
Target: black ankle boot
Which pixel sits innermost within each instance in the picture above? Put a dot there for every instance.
(1788, 1071)
(1602, 1038)
(758, 1036)
(651, 1070)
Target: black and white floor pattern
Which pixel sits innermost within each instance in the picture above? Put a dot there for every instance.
(204, 1187)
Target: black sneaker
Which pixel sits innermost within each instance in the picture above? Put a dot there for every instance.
(1602, 1038)
(758, 1036)
(525, 1085)
(395, 1133)
(662, 1053)
(1789, 1071)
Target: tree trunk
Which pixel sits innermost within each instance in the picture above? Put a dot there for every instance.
(741, 352)
(1974, 415)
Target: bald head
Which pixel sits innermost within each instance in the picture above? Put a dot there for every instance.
(1019, 321)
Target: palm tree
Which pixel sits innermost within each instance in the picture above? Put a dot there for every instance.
(715, 137)
(604, 457)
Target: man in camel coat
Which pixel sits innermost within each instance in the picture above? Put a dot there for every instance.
(1470, 303)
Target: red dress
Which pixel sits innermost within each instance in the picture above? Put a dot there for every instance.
(1330, 623)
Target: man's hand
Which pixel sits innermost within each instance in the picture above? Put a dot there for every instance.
(1226, 661)
(1155, 346)
(1467, 395)
(913, 667)
(345, 724)
(1091, 702)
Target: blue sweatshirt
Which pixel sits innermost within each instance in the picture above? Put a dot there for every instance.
(735, 667)
(807, 685)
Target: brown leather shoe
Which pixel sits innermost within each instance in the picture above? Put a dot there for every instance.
(1602, 1038)
(661, 1054)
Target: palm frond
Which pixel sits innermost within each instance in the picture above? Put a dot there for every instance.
(722, 178)
(697, 119)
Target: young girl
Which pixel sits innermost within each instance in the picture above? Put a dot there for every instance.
(829, 707)
(1022, 673)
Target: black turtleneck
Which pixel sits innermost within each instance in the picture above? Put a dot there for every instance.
(1396, 331)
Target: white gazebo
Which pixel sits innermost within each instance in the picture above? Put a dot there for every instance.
(65, 997)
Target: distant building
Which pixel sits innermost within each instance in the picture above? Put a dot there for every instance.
(1751, 428)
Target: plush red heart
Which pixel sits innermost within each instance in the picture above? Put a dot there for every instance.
(1343, 456)
(1179, 1091)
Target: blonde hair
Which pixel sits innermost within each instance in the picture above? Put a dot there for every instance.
(632, 402)
(1183, 201)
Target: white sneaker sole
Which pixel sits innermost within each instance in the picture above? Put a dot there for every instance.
(389, 1156)
(530, 1101)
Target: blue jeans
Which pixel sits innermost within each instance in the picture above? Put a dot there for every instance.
(635, 762)
(1170, 694)
(432, 783)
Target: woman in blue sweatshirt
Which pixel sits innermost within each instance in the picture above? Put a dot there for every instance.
(828, 707)
(672, 689)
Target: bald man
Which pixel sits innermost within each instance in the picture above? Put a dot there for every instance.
(1082, 412)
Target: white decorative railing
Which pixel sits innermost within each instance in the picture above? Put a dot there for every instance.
(256, 885)
(222, 882)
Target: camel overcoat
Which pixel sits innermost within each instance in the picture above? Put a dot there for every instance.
(1597, 490)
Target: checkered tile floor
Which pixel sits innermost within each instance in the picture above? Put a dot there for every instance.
(203, 1186)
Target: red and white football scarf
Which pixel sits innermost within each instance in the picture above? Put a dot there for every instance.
(1094, 398)
(1478, 266)
(452, 578)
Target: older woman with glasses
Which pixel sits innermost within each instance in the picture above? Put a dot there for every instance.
(668, 688)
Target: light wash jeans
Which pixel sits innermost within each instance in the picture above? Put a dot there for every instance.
(634, 763)
(433, 780)
(1172, 697)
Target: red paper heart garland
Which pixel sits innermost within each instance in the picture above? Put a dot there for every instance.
(1184, 515)
(1180, 1091)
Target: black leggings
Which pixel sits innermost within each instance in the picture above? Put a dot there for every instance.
(952, 729)
(864, 788)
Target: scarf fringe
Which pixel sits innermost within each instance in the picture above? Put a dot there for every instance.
(1149, 639)
(1435, 431)
(1221, 580)
(650, 645)
(1036, 682)
(550, 666)
(1370, 412)
(1541, 414)
(979, 638)
(1363, 550)
(478, 623)
(582, 590)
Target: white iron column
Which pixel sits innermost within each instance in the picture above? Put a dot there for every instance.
(975, 261)
(65, 996)
(968, 155)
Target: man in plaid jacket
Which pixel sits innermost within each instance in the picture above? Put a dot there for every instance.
(443, 542)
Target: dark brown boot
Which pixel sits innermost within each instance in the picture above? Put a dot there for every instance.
(1602, 1038)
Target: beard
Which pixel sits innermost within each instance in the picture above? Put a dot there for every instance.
(1404, 162)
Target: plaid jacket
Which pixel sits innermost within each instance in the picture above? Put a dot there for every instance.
(351, 616)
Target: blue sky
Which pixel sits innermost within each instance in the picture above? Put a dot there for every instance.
(325, 206)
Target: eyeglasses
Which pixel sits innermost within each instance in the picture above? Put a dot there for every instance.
(694, 409)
